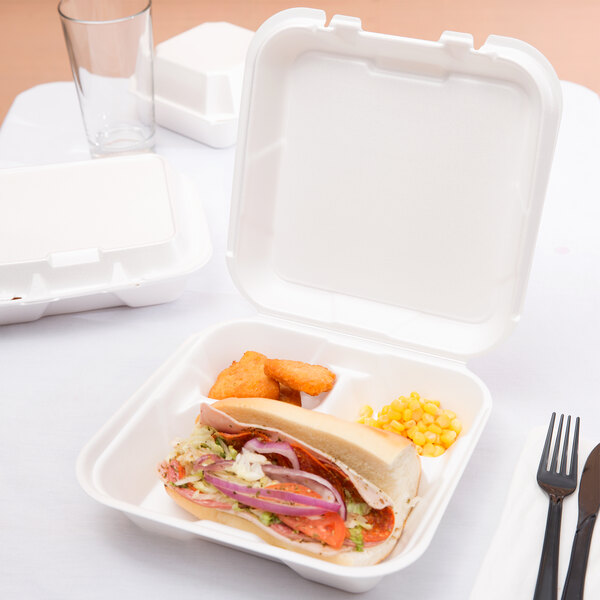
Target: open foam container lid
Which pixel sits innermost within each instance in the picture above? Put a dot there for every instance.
(389, 187)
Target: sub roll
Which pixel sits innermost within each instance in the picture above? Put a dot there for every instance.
(300, 479)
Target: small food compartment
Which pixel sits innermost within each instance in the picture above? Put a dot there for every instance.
(91, 234)
(119, 467)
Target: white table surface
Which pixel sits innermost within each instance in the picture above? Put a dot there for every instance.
(63, 377)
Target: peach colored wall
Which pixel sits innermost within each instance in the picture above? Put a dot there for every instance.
(32, 49)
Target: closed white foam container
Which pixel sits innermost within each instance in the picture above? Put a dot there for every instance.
(124, 230)
(387, 195)
(198, 81)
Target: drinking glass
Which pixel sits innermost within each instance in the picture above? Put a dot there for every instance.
(110, 48)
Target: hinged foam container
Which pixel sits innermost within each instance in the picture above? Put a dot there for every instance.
(198, 82)
(386, 201)
(92, 234)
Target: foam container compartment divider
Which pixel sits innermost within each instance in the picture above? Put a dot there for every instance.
(386, 199)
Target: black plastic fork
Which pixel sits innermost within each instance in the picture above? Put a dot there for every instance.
(557, 482)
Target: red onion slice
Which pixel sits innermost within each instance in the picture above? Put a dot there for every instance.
(219, 465)
(255, 497)
(201, 462)
(299, 498)
(283, 448)
(314, 482)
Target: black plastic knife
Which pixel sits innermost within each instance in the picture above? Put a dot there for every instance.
(589, 502)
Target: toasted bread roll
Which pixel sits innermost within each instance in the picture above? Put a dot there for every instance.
(373, 469)
(384, 458)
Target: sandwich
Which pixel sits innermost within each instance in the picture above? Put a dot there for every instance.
(299, 479)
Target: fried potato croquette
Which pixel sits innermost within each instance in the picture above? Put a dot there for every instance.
(287, 394)
(301, 376)
(245, 379)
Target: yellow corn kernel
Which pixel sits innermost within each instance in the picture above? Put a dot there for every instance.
(434, 428)
(397, 404)
(450, 414)
(395, 414)
(414, 396)
(443, 421)
(417, 414)
(407, 414)
(430, 408)
(366, 411)
(410, 431)
(414, 403)
(428, 449)
(396, 426)
(447, 438)
(421, 427)
(456, 425)
(387, 427)
(382, 420)
(428, 419)
(384, 409)
(438, 450)
(370, 421)
(436, 402)
(418, 438)
(431, 437)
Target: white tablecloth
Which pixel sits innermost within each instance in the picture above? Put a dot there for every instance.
(62, 377)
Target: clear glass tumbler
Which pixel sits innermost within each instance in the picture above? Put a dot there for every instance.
(110, 47)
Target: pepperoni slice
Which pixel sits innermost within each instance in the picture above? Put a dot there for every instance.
(382, 522)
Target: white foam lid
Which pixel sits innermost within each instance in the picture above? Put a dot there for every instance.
(390, 187)
(59, 208)
(90, 234)
(198, 79)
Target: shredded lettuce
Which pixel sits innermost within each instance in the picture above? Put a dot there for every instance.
(358, 508)
(204, 487)
(268, 518)
(186, 480)
(353, 506)
(200, 442)
(356, 537)
(247, 466)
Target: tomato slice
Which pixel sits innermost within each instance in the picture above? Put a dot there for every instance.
(328, 528)
(383, 524)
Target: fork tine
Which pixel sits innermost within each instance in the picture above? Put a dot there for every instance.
(563, 458)
(556, 446)
(546, 451)
(573, 467)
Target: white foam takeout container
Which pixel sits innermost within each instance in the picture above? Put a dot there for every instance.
(93, 234)
(198, 82)
(387, 196)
